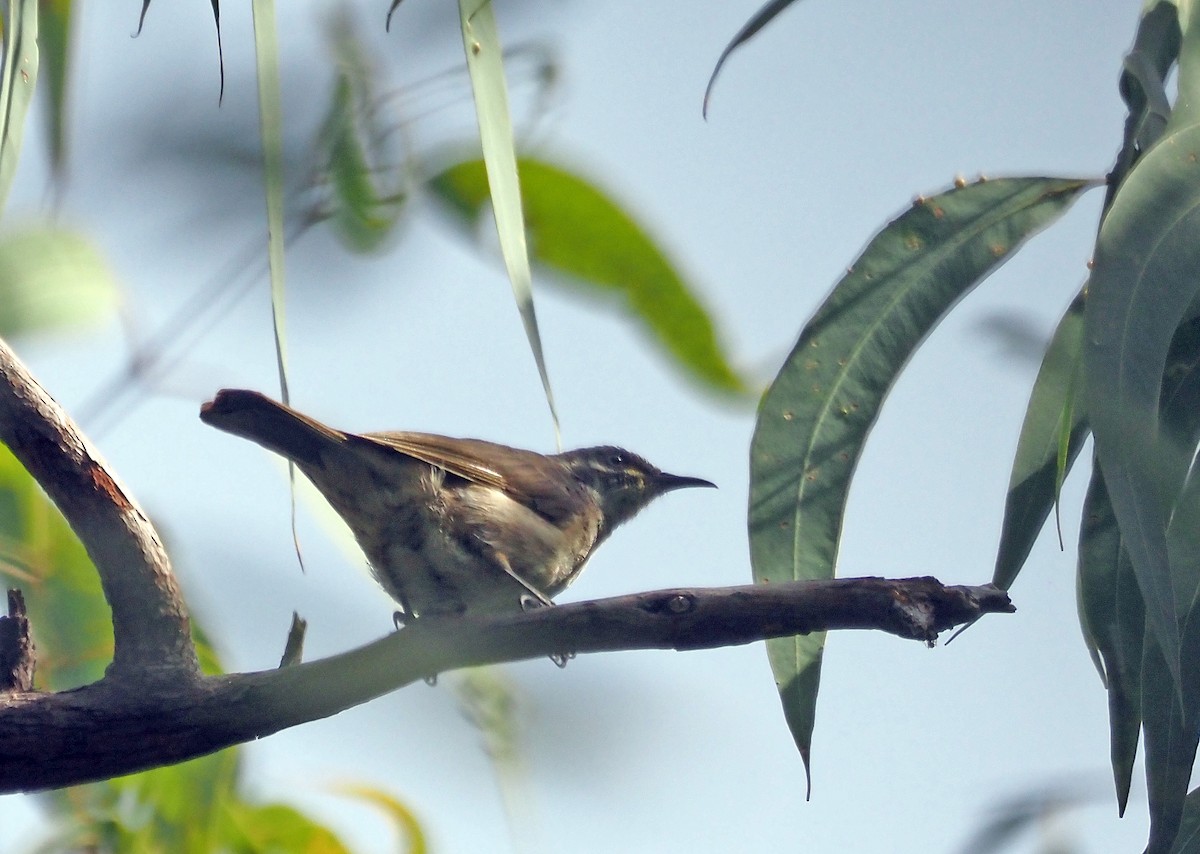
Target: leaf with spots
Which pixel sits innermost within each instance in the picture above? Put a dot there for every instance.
(815, 417)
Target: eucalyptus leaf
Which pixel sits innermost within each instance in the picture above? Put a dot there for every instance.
(1113, 620)
(1051, 436)
(814, 419)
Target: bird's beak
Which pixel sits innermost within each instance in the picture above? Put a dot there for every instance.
(667, 482)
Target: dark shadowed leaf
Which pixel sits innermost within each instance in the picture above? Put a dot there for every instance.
(1113, 620)
(748, 31)
(1170, 748)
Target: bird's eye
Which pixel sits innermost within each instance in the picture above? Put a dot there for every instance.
(616, 460)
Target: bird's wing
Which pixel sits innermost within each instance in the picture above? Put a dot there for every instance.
(520, 474)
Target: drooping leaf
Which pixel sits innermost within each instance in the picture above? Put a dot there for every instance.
(748, 31)
(1142, 287)
(52, 278)
(405, 822)
(54, 35)
(1170, 747)
(1113, 620)
(216, 10)
(576, 229)
(1188, 840)
(20, 71)
(814, 419)
(1051, 436)
(485, 64)
(270, 119)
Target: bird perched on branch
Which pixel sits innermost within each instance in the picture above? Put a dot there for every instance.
(456, 525)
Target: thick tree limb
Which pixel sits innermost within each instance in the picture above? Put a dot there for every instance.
(154, 708)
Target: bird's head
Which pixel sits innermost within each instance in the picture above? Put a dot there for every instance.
(623, 481)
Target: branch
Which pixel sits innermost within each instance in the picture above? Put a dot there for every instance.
(102, 730)
(150, 624)
(153, 708)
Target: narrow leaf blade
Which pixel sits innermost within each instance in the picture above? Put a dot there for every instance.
(485, 64)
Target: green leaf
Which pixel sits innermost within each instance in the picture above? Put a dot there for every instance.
(814, 419)
(270, 119)
(277, 827)
(51, 278)
(1142, 287)
(54, 35)
(1051, 436)
(485, 65)
(364, 209)
(1113, 620)
(1188, 840)
(20, 72)
(574, 228)
(1143, 85)
(750, 29)
(1170, 748)
(40, 554)
(407, 826)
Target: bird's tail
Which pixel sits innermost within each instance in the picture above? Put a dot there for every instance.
(273, 425)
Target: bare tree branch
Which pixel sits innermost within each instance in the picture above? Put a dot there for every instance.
(103, 730)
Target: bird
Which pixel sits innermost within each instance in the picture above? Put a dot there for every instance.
(455, 526)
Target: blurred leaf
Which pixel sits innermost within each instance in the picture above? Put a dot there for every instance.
(1027, 811)
(1142, 287)
(40, 554)
(577, 230)
(54, 35)
(814, 419)
(364, 211)
(485, 64)
(20, 72)
(1051, 436)
(280, 828)
(407, 826)
(489, 700)
(750, 29)
(50, 278)
(1113, 620)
